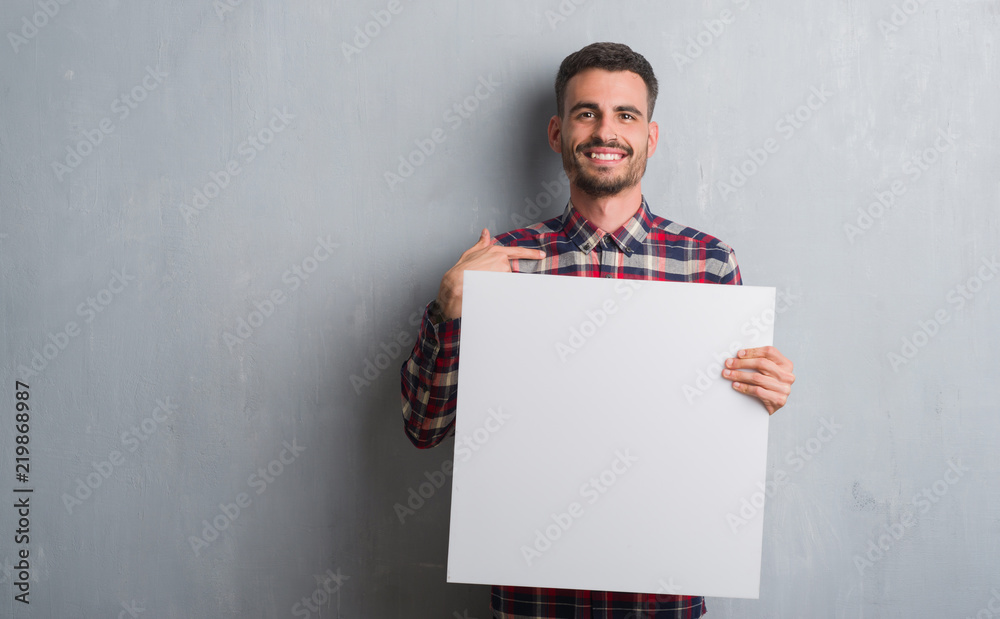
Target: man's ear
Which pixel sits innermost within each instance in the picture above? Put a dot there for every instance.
(654, 138)
(555, 134)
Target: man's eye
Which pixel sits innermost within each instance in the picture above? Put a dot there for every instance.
(628, 117)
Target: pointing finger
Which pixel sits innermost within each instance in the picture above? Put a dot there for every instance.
(522, 253)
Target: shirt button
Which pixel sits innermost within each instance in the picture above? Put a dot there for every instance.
(608, 276)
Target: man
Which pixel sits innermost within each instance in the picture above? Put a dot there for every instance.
(605, 95)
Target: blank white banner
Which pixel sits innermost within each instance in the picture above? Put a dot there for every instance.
(597, 445)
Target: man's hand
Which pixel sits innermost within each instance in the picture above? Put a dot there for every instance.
(770, 382)
(483, 256)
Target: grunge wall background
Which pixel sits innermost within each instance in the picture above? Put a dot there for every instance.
(220, 221)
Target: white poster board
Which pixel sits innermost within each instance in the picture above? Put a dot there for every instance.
(597, 445)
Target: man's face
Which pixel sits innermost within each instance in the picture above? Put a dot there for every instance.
(604, 135)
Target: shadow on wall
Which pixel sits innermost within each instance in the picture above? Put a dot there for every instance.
(541, 189)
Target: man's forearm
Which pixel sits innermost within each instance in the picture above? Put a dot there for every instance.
(429, 380)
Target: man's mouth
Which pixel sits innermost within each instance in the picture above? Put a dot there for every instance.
(608, 155)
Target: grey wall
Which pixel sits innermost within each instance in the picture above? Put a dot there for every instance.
(154, 410)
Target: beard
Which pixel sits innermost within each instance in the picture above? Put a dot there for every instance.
(603, 183)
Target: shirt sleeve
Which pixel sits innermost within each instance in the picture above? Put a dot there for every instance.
(429, 379)
(731, 273)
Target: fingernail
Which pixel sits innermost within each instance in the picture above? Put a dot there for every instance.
(741, 354)
(726, 372)
(729, 363)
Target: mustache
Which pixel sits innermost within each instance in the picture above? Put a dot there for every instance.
(599, 143)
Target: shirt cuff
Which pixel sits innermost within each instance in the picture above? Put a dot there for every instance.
(435, 312)
(440, 334)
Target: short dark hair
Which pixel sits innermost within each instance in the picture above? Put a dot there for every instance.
(610, 57)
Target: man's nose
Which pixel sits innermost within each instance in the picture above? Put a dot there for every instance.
(606, 130)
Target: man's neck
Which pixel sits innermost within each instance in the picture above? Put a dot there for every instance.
(607, 213)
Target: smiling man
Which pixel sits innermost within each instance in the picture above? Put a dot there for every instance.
(605, 95)
(600, 160)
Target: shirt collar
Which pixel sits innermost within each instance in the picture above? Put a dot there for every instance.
(628, 238)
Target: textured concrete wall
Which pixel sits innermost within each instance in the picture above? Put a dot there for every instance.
(212, 246)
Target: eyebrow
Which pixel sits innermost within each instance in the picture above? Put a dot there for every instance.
(587, 105)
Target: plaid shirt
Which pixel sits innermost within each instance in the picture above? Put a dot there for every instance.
(646, 247)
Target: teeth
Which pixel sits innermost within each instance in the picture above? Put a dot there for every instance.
(605, 157)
